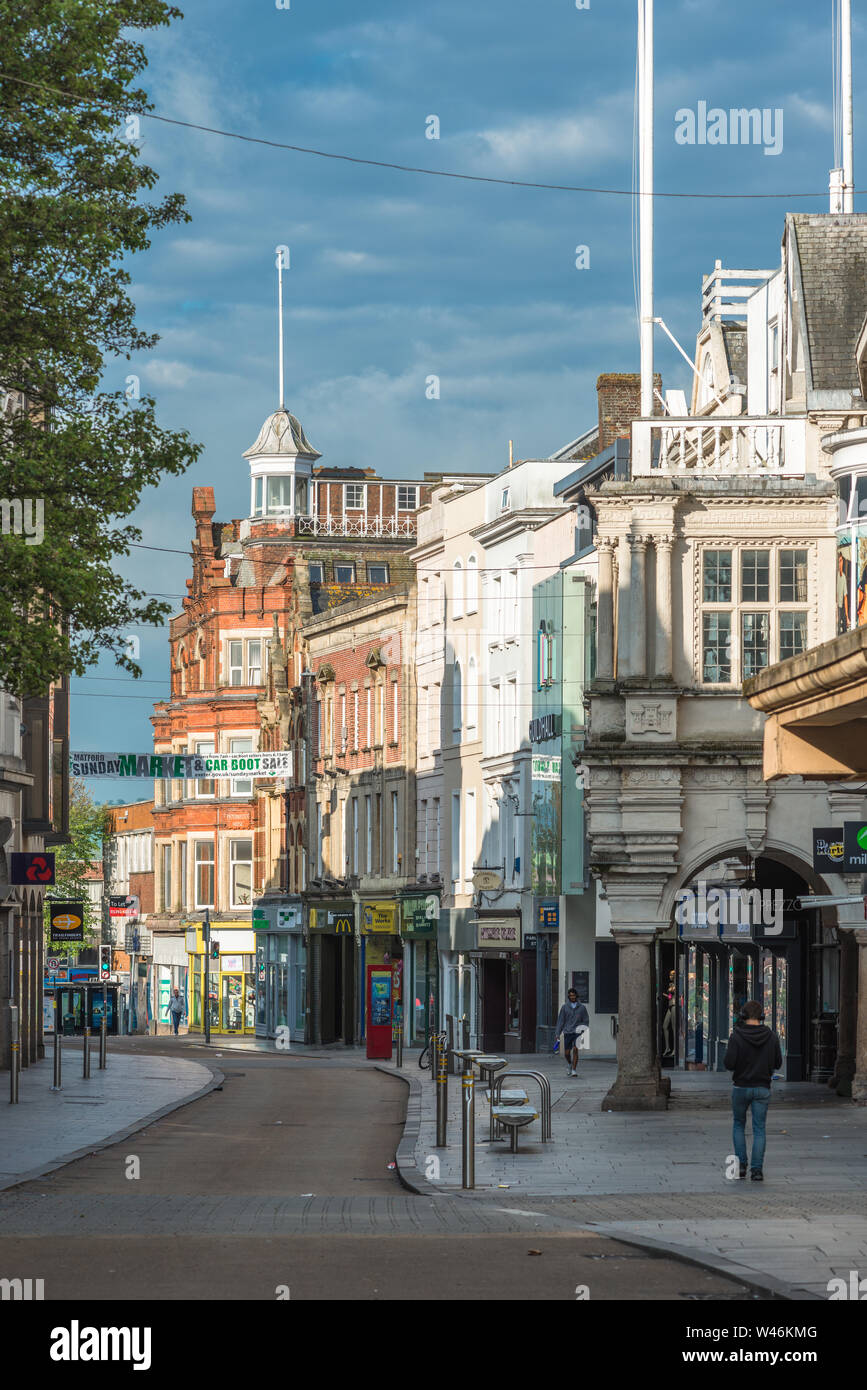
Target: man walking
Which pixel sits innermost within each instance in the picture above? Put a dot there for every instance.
(176, 1010)
(753, 1054)
(571, 1017)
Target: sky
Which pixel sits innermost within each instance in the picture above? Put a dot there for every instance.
(395, 277)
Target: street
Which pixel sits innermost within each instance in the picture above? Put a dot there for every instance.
(278, 1186)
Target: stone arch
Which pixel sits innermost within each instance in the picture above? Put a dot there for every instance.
(772, 849)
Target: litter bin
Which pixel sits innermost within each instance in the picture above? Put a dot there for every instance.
(69, 1025)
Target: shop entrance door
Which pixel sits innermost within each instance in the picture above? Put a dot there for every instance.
(461, 997)
(774, 970)
(232, 1004)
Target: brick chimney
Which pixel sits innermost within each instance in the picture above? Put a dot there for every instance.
(619, 397)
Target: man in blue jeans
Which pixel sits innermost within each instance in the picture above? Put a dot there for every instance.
(753, 1055)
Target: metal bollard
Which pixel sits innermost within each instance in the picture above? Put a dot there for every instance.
(468, 1135)
(442, 1092)
(58, 1059)
(398, 1042)
(85, 1052)
(15, 1059)
(102, 1031)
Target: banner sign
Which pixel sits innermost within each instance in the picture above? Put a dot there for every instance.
(546, 769)
(828, 849)
(339, 919)
(499, 933)
(194, 766)
(419, 916)
(854, 847)
(66, 922)
(378, 917)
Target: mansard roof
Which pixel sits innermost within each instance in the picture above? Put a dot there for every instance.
(831, 253)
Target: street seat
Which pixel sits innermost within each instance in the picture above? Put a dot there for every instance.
(514, 1117)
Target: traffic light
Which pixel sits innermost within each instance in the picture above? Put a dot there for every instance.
(104, 962)
(215, 949)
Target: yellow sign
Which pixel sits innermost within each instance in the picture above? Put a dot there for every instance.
(378, 917)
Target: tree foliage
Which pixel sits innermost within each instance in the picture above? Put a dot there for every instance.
(74, 207)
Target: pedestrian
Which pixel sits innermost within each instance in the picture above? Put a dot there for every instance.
(752, 1056)
(571, 1017)
(176, 1010)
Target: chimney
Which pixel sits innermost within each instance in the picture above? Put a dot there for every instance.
(619, 397)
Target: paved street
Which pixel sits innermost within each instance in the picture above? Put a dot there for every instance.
(280, 1180)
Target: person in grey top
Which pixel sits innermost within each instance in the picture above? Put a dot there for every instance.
(176, 1010)
(571, 1017)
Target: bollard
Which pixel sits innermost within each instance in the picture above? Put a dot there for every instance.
(85, 1051)
(442, 1092)
(399, 1047)
(58, 1058)
(102, 1031)
(468, 1155)
(15, 1059)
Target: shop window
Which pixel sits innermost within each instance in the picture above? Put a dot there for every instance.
(607, 978)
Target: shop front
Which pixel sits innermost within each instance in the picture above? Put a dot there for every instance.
(507, 985)
(229, 978)
(281, 970)
(419, 915)
(747, 940)
(381, 945)
(332, 965)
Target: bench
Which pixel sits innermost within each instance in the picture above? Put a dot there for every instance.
(514, 1117)
(511, 1098)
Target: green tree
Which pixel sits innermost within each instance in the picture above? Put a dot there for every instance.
(73, 208)
(89, 825)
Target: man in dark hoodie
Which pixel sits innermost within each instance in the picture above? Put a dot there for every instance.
(753, 1054)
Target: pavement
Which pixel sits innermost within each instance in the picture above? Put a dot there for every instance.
(660, 1177)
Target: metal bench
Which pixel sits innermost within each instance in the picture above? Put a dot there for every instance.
(514, 1117)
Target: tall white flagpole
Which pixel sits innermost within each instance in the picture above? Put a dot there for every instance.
(645, 198)
(280, 324)
(846, 94)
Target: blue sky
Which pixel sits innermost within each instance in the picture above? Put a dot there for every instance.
(398, 276)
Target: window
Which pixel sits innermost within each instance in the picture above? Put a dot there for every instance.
(254, 661)
(395, 709)
(355, 721)
(344, 731)
(545, 674)
(472, 694)
(422, 719)
(512, 625)
(456, 842)
(279, 494)
(457, 590)
(182, 871)
(344, 574)
(319, 728)
(368, 831)
(204, 786)
(496, 620)
(168, 900)
(238, 747)
(749, 618)
(318, 839)
(793, 634)
(755, 576)
(236, 663)
(369, 717)
(353, 497)
(355, 834)
(472, 586)
(470, 837)
(505, 499)
(204, 873)
(793, 576)
(422, 836)
(258, 496)
(457, 702)
(395, 835)
(512, 688)
(437, 825)
(407, 499)
(241, 872)
(497, 717)
(316, 573)
(377, 574)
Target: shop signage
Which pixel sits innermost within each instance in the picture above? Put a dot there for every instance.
(828, 849)
(487, 881)
(531, 941)
(289, 918)
(31, 868)
(546, 769)
(66, 921)
(418, 916)
(543, 728)
(378, 917)
(549, 916)
(339, 919)
(123, 906)
(498, 933)
(189, 765)
(854, 847)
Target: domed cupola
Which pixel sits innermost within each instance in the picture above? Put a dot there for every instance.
(281, 467)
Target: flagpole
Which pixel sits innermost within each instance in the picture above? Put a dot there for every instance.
(645, 199)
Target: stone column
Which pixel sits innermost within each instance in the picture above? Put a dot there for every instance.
(859, 1081)
(639, 1084)
(663, 655)
(624, 575)
(638, 606)
(605, 612)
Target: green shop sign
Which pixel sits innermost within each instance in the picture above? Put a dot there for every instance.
(419, 916)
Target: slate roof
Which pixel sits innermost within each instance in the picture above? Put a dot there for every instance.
(832, 253)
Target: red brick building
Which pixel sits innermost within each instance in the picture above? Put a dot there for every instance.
(314, 539)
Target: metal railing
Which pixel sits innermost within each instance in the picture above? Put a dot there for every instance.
(719, 444)
(356, 526)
